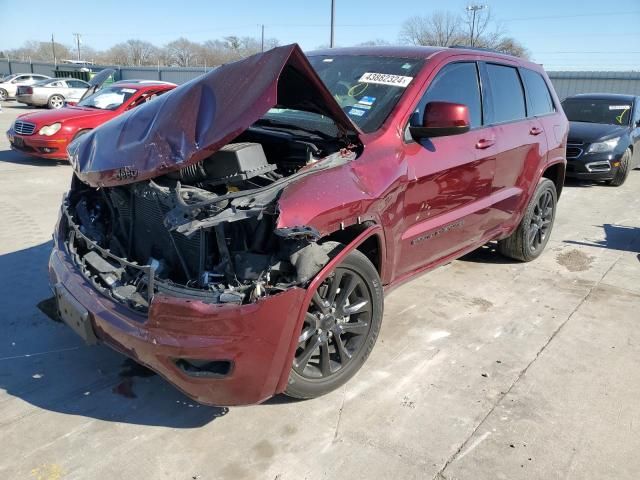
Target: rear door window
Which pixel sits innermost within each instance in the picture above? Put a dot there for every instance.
(77, 84)
(455, 83)
(538, 96)
(507, 96)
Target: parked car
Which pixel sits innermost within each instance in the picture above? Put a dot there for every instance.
(604, 136)
(10, 84)
(53, 92)
(237, 235)
(47, 134)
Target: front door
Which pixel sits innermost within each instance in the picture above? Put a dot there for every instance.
(450, 177)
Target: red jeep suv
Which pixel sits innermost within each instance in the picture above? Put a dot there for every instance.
(237, 235)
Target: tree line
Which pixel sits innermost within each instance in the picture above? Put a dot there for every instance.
(135, 52)
(441, 28)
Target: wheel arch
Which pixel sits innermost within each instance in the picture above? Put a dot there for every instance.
(372, 246)
(556, 173)
(368, 232)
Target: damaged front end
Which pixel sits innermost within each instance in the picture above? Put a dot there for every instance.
(198, 233)
(180, 196)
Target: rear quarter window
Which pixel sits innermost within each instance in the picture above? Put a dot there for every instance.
(507, 96)
(538, 96)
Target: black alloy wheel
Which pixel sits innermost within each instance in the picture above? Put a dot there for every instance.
(541, 220)
(339, 329)
(530, 238)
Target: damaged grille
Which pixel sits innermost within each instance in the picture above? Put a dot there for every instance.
(142, 215)
(108, 271)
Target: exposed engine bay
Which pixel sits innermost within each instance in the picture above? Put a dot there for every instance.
(207, 231)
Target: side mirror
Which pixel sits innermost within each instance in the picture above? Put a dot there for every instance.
(442, 119)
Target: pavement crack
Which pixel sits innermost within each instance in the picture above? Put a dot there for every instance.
(440, 473)
(344, 396)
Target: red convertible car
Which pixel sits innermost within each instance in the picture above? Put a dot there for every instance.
(238, 235)
(47, 134)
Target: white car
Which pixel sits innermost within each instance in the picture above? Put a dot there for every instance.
(52, 93)
(10, 84)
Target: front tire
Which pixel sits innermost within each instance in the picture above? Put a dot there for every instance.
(340, 329)
(527, 242)
(623, 170)
(56, 101)
(3, 94)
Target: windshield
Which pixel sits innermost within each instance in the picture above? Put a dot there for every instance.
(8, 78)
(108, 98)
(366, 87)
(594, 110)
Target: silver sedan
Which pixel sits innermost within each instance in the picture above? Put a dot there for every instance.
(52, 93)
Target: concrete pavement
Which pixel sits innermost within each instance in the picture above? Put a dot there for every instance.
(484, 368)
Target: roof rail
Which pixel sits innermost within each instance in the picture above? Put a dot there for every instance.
(482, 49)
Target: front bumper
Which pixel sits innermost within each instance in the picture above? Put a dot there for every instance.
(598, 167)
(54, 147)
(255, 338)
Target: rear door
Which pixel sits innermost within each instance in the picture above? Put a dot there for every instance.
(521, 143)
(450, 177)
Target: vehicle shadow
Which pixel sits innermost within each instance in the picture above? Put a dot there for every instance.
(13, 105)
(617, 237)
(43, 363)
(487, 253)
(11, 156)
(577, 183)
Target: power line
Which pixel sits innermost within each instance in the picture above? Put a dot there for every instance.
(575, 15)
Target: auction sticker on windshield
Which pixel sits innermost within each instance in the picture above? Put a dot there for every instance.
(386, 79)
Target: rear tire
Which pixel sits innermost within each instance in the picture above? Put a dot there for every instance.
(623, 170)
(340, 329)
(527, 242)
(55, 101)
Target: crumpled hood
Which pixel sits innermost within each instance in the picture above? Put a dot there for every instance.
(191, 122)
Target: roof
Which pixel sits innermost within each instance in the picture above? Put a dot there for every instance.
(604, 96)
(411, 51)
(383, 51)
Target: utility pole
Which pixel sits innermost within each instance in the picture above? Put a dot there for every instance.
(78, 36)
(262, 39)
(474, 9)
(333, 20)
(53, 49)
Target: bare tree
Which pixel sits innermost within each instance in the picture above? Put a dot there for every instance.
(141, 52)
(182, 52)
(440, 29)
(444, 29)
(39, 51)
(511, 46)
(374, 43)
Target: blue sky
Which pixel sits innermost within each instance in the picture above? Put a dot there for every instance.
(596, 36)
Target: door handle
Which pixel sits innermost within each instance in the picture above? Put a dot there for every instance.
(535, 131)
(485, 143)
